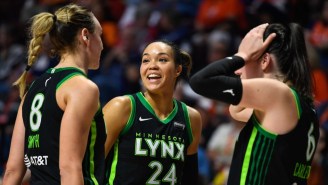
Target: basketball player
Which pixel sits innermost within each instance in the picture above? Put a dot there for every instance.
(274, 96)
(152, 137)
(59, 131)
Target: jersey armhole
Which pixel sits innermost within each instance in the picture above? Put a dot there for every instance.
(67, 78)
(298, 104)
(99, 111)
(131, 116)
(188, 124)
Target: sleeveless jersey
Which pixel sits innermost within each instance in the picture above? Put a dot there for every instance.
(42, 119)
(264, 158)
(150, 150)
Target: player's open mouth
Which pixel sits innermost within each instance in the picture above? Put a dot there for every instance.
(153, 76)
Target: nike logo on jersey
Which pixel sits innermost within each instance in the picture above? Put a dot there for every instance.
(144, 119)
(229, 91)
(45, 84)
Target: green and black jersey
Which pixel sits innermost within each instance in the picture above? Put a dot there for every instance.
(265, 158)
(42, 119)
(150, 150)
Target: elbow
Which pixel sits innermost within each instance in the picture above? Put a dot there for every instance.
(13, 176)
(199, 85)
(196, 84)
(68, 169)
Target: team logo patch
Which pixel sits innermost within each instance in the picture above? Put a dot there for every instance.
(179, 125)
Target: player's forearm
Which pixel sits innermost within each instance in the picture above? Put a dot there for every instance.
(75, 178)
(70, 175)
(215, 81)
(12, 177)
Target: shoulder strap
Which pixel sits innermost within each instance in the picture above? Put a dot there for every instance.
(131, 116)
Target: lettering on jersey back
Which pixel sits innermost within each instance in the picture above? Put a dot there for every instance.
(302, 171)
(33, 141)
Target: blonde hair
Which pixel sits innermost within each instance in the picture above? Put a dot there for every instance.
(62, 27)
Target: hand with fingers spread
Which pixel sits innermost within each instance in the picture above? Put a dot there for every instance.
(252, 46)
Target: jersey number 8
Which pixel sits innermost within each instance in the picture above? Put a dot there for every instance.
(35, 114)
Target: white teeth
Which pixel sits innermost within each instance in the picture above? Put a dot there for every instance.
(153, 76)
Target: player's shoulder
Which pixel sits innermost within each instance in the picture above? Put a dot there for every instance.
(83, 82)
(192, 111)
(80, 87)
(195, 116)
(119, 102)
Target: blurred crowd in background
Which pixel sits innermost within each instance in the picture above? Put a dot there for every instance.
(207, 29)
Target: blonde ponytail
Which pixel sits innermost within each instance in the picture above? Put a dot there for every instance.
(41, 25)
(62, 28)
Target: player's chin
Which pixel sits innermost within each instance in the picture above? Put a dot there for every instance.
(155, 89)
(94, 67)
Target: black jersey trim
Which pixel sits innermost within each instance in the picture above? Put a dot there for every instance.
(147, 105)
(188, 123)
(131, 117)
